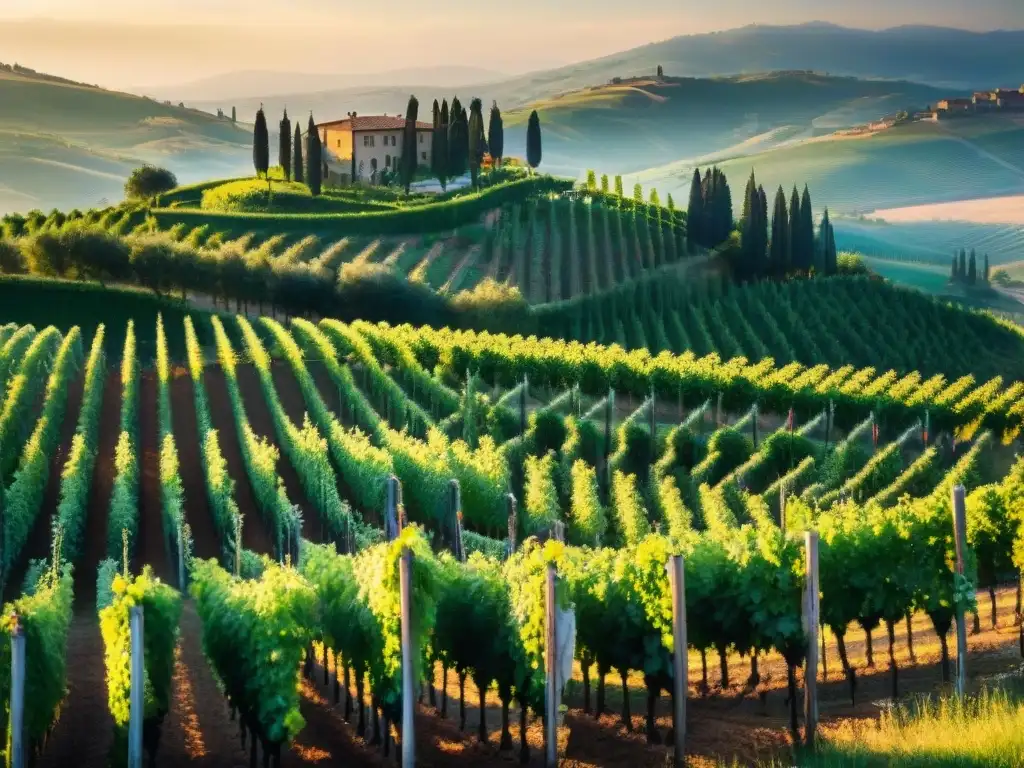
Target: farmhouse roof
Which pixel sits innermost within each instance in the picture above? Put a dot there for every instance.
(374, 123)
(956, 102)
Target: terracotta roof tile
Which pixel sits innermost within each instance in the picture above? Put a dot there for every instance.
(374, 123)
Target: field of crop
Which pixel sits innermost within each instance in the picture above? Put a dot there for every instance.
(909, 165)
(532, 234)
(833, 322)
(930, 241)
(253, 473)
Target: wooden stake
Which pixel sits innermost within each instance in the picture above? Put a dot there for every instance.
(136, 703)
(455, 504)
(550, 668)
(960, 531)
(408, 673)
(17, 696)
(512, 523)
(680, 677)
(811, 627)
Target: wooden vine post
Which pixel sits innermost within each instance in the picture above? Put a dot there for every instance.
(652, 425)
(609, 417)
(960, 531)
(513, 524)
(408, 660)
(753, 427)
(136, 702)
(181, 559)
(17, 695)
(455, 512)
(811, 628)
(391, 510)
(522, 405)
(680, 672)
(551, 671)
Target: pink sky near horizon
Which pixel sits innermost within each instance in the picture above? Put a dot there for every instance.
(122, 43)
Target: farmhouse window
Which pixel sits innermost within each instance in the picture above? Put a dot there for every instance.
(423, 155)
(387, 161)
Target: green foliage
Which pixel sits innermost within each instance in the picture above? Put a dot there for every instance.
(161, 606)
(255, 634)
(149, 182)
(587, 518)
(541, 508)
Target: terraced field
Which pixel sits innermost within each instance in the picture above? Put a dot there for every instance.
(269, 449)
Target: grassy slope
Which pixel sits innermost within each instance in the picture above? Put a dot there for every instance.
(64, 145)
(622, 128)
(916, 163)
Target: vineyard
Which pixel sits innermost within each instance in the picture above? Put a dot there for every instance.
(257, 494)
(536, 234)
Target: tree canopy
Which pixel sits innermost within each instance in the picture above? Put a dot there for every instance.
(149, 181)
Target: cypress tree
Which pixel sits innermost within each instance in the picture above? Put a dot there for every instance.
(954, 273)
(748, 200)
(604, 183)
(443, 170)
(477, 142)
(408, 162)
(298, 167)
(779, 250)
(972, 269)
(618, 186)
(458, 140)
(807, 230)
(260, 144)
(534, 151)
(234, 115)
(963, 265)
(695, 211)
(831, 257)
(723, 208)
(284, 150)
(314, 164)
(986, 270)
(796, 256)
(435, 133)
(496, 135)
(638, 193)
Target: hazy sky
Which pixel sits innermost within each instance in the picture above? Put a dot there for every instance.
(121, 43)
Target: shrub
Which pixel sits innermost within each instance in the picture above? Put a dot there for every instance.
(11, 260)
(149, 181)
(852, 264)
(493, 306)
(373, 292)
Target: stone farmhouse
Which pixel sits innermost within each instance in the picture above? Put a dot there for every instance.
(998, 99)
(361, 147)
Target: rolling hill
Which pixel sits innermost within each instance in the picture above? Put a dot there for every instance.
(67, 145)
(623, 126)
(910, 164)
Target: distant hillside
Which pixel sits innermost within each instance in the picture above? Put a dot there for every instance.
(257, 84)
(907, 165)
(628, 124)
(949, 58)
(66, 145)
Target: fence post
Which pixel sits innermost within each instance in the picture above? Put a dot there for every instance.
(811, 628)
(408, 661)
(136, 710)
(680, 679)
(782, 506)
(18, 696)
(512, 523)
(753, 427)
(551, 670)
(959, 531)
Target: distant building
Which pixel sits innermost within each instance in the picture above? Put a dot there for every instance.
(1011, 100)
(951, 106)
(929, 116)
(360, 147)
(983, 100)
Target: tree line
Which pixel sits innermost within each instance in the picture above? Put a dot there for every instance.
(964, 270)
(302, 167)
(459, 143)
(781, 245)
